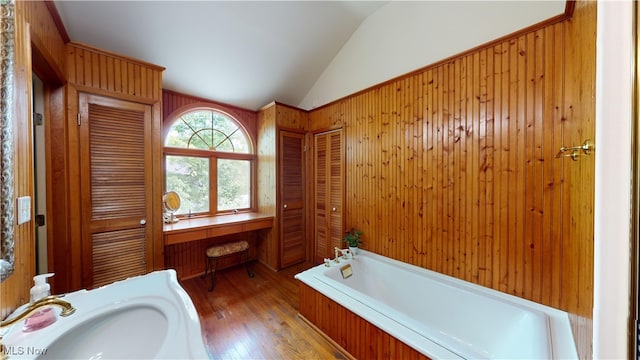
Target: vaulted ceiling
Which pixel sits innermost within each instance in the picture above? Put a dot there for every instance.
(243, 53)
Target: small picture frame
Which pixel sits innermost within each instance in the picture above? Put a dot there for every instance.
(346, 271)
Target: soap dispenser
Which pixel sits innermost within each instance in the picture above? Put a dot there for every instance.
(41, 287)
(46, 316)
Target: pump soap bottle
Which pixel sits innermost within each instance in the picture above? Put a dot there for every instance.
(44, 317)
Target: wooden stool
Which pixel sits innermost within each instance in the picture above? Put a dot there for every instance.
(214, 253)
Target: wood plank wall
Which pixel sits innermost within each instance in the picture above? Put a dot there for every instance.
(267, 183)
(271, 118)
(113, 74)
(33, 23)
(188, 258)
(43, 31)
(268, 249)
(453, 168)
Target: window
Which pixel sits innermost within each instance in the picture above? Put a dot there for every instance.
(209, 163)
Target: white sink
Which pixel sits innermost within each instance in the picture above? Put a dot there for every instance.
(146, 317)
(131, 332)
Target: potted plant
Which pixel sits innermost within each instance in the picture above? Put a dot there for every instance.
(352, 239)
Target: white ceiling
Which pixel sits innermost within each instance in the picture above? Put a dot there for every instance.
(243, 53)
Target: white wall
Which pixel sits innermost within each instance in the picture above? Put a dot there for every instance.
(403, 36)
(613, 178)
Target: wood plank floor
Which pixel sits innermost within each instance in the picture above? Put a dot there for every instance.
(256, 318)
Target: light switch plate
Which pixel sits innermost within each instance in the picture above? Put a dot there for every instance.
(24, 209)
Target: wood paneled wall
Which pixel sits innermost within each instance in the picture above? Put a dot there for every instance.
(271, 118)
(113, 74)
(33, 24)
(453, 167)
(267, 182)
(188, 258)
(43, 31)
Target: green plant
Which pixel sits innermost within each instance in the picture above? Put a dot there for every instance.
(352, 237)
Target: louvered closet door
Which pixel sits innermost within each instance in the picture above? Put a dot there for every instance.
(321, 197)
(292, 213)
(116, 189)
(329, 194)
(336, 193)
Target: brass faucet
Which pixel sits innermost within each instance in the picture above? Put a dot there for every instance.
(340, 253)
(66, 307)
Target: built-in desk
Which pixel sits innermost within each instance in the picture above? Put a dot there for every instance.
(194, 229)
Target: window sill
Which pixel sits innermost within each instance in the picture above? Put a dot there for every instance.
(195, 229)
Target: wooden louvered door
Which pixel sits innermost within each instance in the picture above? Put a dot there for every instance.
(115, 156)
(329, 193)
(292, 210)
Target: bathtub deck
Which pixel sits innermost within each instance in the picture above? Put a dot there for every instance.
(256, 318)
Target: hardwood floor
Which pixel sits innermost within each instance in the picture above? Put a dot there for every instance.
(256, 318)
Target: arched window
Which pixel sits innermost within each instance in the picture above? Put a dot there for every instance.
(209, 163)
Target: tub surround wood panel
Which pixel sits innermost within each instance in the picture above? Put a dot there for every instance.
(360, 338)
(453, 168)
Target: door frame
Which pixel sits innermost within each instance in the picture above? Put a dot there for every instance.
(53, 93)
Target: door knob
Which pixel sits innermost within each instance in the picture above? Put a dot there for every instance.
(284, 206)
(143, 222)
(334, 209)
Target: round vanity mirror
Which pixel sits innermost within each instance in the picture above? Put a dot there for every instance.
(171, 201)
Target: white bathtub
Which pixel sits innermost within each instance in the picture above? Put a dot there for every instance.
(444, 317)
